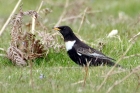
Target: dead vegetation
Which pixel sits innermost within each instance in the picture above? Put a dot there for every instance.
(30, 43)
(26, 42)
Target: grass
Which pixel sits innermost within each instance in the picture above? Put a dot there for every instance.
(60, 73)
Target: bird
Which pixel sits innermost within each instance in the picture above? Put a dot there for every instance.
(81, 53)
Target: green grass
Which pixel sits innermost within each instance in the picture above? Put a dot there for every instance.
(59, 71)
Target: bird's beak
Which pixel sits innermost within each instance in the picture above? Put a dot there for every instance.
(56, 28)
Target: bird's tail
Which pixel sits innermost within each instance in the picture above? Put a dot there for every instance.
(110, 63)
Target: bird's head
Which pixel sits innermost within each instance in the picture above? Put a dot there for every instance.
(64, 30)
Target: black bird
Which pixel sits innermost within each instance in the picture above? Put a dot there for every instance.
(80, 52)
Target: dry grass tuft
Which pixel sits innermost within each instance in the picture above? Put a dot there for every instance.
(16, 56)
(25, 45)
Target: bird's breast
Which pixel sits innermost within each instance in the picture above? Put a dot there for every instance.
(69, 44)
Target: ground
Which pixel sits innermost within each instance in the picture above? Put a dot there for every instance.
(92, 21)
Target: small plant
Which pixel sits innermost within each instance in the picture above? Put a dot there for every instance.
(28, 45)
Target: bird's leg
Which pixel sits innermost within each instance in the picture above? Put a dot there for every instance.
(96, 59)
(86, 74)
(86, 71)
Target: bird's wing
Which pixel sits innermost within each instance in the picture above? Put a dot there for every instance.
(92, 53)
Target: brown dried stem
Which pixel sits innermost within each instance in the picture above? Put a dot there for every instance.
(71, 17)
(33, 24)
(63, 13)
(128, 48)
(40, 6)
(3, 55)
(31, 83)
(134, 37)
(83, 18)
(108, 74)
(134, 55)
(8, 20)
(2, 49)
(137, 88)
(135, 70)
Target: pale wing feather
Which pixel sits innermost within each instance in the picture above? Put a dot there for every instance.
(92, 53)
